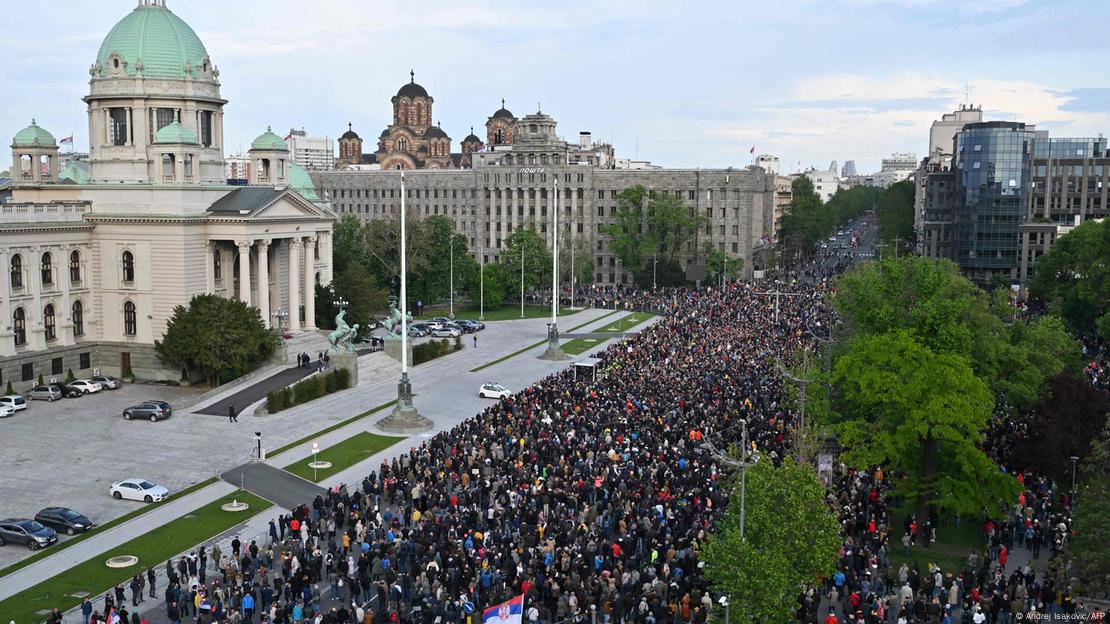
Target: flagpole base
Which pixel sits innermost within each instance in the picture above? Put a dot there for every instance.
(554, 352)
(405, 418)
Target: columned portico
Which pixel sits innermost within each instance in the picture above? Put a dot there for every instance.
(293, 249)
(244, 271)
(264, 280)
(309, 283)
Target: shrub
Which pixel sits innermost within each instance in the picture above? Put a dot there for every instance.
(342, 378)
(274, 401)
(286, 397)
(9, 390)
(458, 343)
(70, 377)
(329, 382)
(40, 379)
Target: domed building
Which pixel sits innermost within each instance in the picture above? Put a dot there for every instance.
(95, 260)
(411, 141)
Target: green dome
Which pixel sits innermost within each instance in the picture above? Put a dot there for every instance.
(269, 141)
(300, 181)
(154, 37)
(175, 133)
(33, 136)
(75, 173)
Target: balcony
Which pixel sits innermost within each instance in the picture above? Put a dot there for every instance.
(53, 212)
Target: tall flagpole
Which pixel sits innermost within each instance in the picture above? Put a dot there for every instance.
(554, 352)
(404, 418)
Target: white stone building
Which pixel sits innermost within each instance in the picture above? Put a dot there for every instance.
(311, 152)
(92, 271)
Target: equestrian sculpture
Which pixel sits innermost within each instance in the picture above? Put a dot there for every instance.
(343, 335)
(392, 324)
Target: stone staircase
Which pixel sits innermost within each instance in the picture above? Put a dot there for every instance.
(310, 342)
(374, 367)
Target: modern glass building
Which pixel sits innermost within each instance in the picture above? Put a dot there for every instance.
(992, 160)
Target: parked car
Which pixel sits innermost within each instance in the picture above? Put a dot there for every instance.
(14, 401)
(24, 531)
(492, 390)
(108, 383)
(87, 386)
(138, 489)
(418, 330)
(64, 519)
(447, 331)
(152, 410)
(6, 410)
(69, 392)
(45, 393)
(479, 324)
(468, 327)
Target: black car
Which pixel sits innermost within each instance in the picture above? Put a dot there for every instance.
(64, 519)
(69, 392)
(24, 531)
(152, 410)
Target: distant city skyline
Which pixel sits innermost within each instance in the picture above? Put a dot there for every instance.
(810, 82)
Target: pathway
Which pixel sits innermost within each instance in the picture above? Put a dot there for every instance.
(275, 485)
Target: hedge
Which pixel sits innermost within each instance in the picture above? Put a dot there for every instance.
(432, 349)
(308, 389)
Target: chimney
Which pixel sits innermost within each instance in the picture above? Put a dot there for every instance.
(585, 139)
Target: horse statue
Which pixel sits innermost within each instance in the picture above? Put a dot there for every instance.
(392, 324)
(342, 336)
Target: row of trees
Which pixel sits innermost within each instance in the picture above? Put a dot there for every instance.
(809, 220)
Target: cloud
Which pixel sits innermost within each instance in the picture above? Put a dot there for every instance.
(1087, 100)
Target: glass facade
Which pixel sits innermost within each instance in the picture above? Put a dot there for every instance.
(1072, 147)
(992, 159)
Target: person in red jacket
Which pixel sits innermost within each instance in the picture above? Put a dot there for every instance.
(831, 617)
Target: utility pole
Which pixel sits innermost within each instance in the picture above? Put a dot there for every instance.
(778, 296)
(804, 381)
(554, 352)
(451, 294)
(896, 241)
(748, 458)
(880, 246)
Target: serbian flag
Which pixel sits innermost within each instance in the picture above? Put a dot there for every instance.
(508, 612)
(68, 139)
(113, 617)
(752, 150)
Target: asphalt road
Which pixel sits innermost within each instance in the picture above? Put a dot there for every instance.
(275, 485)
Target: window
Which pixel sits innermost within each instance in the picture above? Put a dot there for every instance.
(206, 127)
(48, 324)
(17, 271)
(56, 366)
(128, 266)
(85, 360)
(217, 267)
(78, 319)
(188, 166)
(163, 117)
(47, 269)
(19, 326)
(27, 372)
(130, 319)
(117, 117)
(168, 173)
(75, 267)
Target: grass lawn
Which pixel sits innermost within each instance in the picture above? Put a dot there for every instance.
(76, 539)
(626, 322)
(500, 313)
(343, 455)
(536, 344)
(579, 345)
(950, 551)
(153, 548)
(309, 438)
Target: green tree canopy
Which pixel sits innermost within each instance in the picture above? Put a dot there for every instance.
(650, 225)
(221, 338)
(493, 279)
(895, 212)
(536, 258)
(718, 262)
(1092, 507)
(791, 539)
(1074, 277)
(922, 413)
(583, 260)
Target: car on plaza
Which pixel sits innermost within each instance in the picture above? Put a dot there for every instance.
(68, 391)
(138, 489)
(87, 386)
(468, 327)
(45, 393)
(24, 531)
(14, 401)
(107, 383)
(493, 390)
(441, 320)
(6, 410)
(419, 330)
(447, 331)
(149, 410)
(64, 519)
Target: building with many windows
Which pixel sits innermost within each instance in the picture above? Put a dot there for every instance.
(310, 152)
(93, 268)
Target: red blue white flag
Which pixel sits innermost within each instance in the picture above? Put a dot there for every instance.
(508, 612)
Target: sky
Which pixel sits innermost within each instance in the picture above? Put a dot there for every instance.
(682, 84)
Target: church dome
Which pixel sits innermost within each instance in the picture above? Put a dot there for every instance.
(33, 136)
(472, 138)
(503, 113)
(300, 181)
(412, 89)
(269, 141)
(349, 134)
(152, 37)
(435, 132)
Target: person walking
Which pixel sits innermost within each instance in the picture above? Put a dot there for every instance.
(231, 417)
(150, 581)
(475, 341)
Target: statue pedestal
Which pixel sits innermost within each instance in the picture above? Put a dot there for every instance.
(392, 348)
(404, 418)
(554, 352)
(345, 360)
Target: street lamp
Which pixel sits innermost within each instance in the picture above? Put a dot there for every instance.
(1074, 459)
(258, 438)
(340, 303)
(280, 315)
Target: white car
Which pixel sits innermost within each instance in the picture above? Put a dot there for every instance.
(6, 410)
(108, 383)
(14, 401)
(446, 332)
(491, 390)
(139, 489)
(87, 386)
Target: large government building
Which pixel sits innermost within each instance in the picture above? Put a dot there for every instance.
(494, 186)
(95, 260)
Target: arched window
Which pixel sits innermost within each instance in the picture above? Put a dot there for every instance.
(75, 267)
(402, 144)
(17, 271)
(47, 269)
(48, 322)
(508, 159)
(128, 266)
(499, 137)
(316, 250)
(130, 319)
(78, 319)
(19, 325)
(217, 265)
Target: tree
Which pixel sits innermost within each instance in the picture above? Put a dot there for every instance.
(718, 262)
(348, 243)
(895, 212)
(1060, 426)
(805, 222)
(1074, 276)
(536, 258)
(791, 539)
(495, 279)
(921, 413)
(363, 294)
(1092, 507)
(221, 338)
(583, 260)
(651, 226)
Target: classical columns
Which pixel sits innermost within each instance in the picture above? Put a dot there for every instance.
(244, 271)
(210, 267)
(295, 274)
(325, 255)
(7, 343)
(309, 283)
(264, 280)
